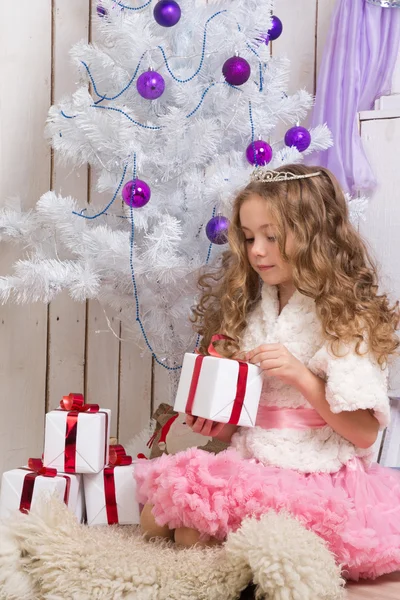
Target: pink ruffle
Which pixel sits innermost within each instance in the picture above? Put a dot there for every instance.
(357, 510)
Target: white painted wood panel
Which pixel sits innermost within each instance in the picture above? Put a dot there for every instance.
(396, 77)
(297, 43)
(102, 346)
(134, 389)
(161, 385)
(67, 319)
(324, 18)
(25, 63)
(102, 360)
(381, 140)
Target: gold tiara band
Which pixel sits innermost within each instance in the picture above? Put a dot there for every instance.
(267, 176)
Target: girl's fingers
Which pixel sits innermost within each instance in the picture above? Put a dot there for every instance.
(250, 355)
(261, 356)
(198, 424)
(263, 348)
(190, 420)
(205, 427)
(216, 429)
(268, 365)
(211, 429)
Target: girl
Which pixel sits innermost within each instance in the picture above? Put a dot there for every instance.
(296, 294)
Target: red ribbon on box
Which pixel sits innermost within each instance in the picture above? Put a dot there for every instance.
(240, 384)
(36, 468)
(118, 457)
(75, 404)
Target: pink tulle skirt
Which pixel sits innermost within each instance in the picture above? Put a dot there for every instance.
(356, 510)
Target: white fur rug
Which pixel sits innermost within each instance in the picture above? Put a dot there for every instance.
(47, 555)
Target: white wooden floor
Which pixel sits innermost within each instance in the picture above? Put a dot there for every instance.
(384, 588)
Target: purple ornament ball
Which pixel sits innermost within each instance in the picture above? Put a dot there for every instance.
(150, 85)
(167, 13)
(276, 29)
(136, 193)
(299, 137)
(259, 153)
(236, 70)
(217, 230)
(101, 11)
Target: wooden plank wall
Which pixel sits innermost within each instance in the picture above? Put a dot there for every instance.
(381, 138)
(25, 96)
(46, 352)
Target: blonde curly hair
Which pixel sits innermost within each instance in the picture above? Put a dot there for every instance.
(330, 263)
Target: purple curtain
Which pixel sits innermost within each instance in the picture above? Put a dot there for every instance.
(357, 67)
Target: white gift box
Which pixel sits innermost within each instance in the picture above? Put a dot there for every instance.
(92, 435)
(13, 482)
(217, 388)
(125, 495)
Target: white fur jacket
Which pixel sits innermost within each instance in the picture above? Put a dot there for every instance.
(352, 382)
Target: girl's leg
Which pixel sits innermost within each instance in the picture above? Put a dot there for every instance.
(185, 536)
(149, 526)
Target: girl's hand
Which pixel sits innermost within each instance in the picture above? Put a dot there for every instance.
(220, 431)
(204, 426)
(275, 360)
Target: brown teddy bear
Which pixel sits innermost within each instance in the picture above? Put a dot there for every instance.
(172, 435)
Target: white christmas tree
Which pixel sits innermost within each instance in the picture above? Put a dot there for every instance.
(183, 102)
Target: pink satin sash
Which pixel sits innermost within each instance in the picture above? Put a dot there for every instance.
(274, 417)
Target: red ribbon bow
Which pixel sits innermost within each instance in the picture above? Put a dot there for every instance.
(118, 457)
(75, 402)
(240, 386)
(36, 465)
(36, 468)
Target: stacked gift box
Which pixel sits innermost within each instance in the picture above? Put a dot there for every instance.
(94, 479)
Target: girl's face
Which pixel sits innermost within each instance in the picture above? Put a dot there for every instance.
(259, 228)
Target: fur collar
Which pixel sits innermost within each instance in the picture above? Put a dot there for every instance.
(297, 327)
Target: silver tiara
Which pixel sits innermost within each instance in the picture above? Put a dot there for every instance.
(386, 3)
(265, 175)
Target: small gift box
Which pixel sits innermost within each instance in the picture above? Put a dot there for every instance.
(76, 436)
(111, 495)
(22, 488)
(220, 389)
